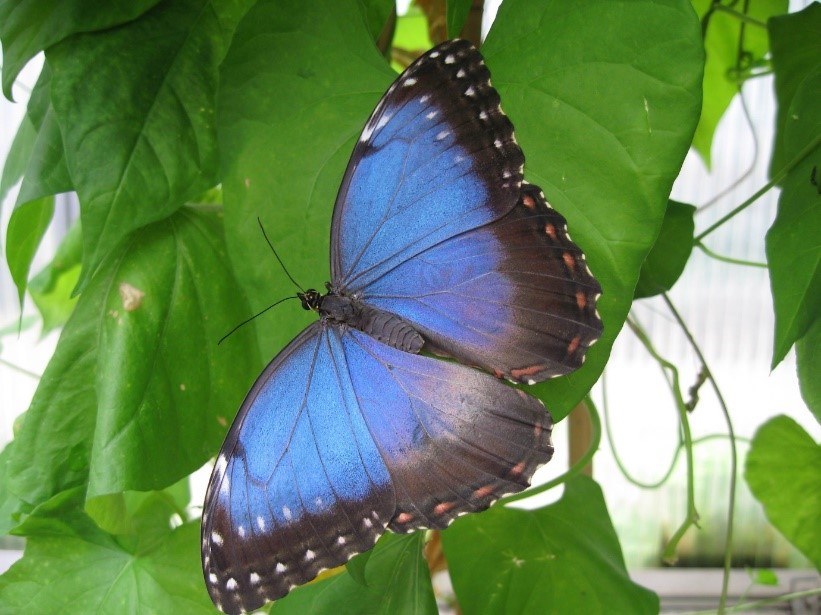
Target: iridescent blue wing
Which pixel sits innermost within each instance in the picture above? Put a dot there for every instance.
(299, 484)
(437, 157)
(514, 297)
(433, 223)
(453, 439)
(343, 436)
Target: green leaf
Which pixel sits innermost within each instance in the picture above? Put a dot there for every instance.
(378, 15)
(356, 567)
(563, 558)
(18, 157)
(141, 344)
(60, 515)
(782, 472)
(138, 127)
(808, 358)
(666, 261)
(40, 99)
(51, 288)
(605, 159)
(71, 566)
(109, 513)
(30, 26)
(146, 515)
(23, 324)
(733, 49)
(793, 242)
(457, 14)
(294, 147)
(10, 504)
(796, 50)
(52, 446)
(168, 390)
(14, 328)
(397, 582)
(46, 173)
(27, 226)
(763, 576)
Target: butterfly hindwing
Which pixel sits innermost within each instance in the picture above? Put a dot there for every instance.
(453, 439)
(514, 296)
(342, 436)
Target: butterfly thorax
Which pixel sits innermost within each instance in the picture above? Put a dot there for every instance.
(338, 308)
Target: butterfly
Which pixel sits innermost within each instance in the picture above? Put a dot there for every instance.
(438, 247)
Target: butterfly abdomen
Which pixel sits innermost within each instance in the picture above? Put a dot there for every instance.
(388, 328)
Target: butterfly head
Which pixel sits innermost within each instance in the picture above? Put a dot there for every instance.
(311, 299)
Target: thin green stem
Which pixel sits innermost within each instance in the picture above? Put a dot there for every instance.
(775, 180)
(728, 259)
(686, 438)
(644, 338)
(720, 436)
(622, 467)
(743, 17)
(21, 370)
(755, 604)
(762, 73)
(737, 182)
(576, 468)
(728, 542)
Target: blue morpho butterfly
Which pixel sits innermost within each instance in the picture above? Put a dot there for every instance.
(437, 245)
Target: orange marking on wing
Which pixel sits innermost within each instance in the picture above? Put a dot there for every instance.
(537, 430)
(573, 345)
(483, 492)
(403, 518)
(518, 468)
(550, 230)
(528, 201)
(443, 507)
(569, 260)
(581, 299)
(518, 374)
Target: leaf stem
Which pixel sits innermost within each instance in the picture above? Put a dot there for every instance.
(775, 180)
(754, 604)
(21, 370)
(636, 328)
(743, 17)
(686, 439)
(728, 259)
(728, 555)
(749, 171)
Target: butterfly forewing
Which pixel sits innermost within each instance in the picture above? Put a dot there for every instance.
(436, 158)
(299, 485)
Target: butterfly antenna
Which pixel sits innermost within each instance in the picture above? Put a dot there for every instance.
(284, 268)
(246, 321)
